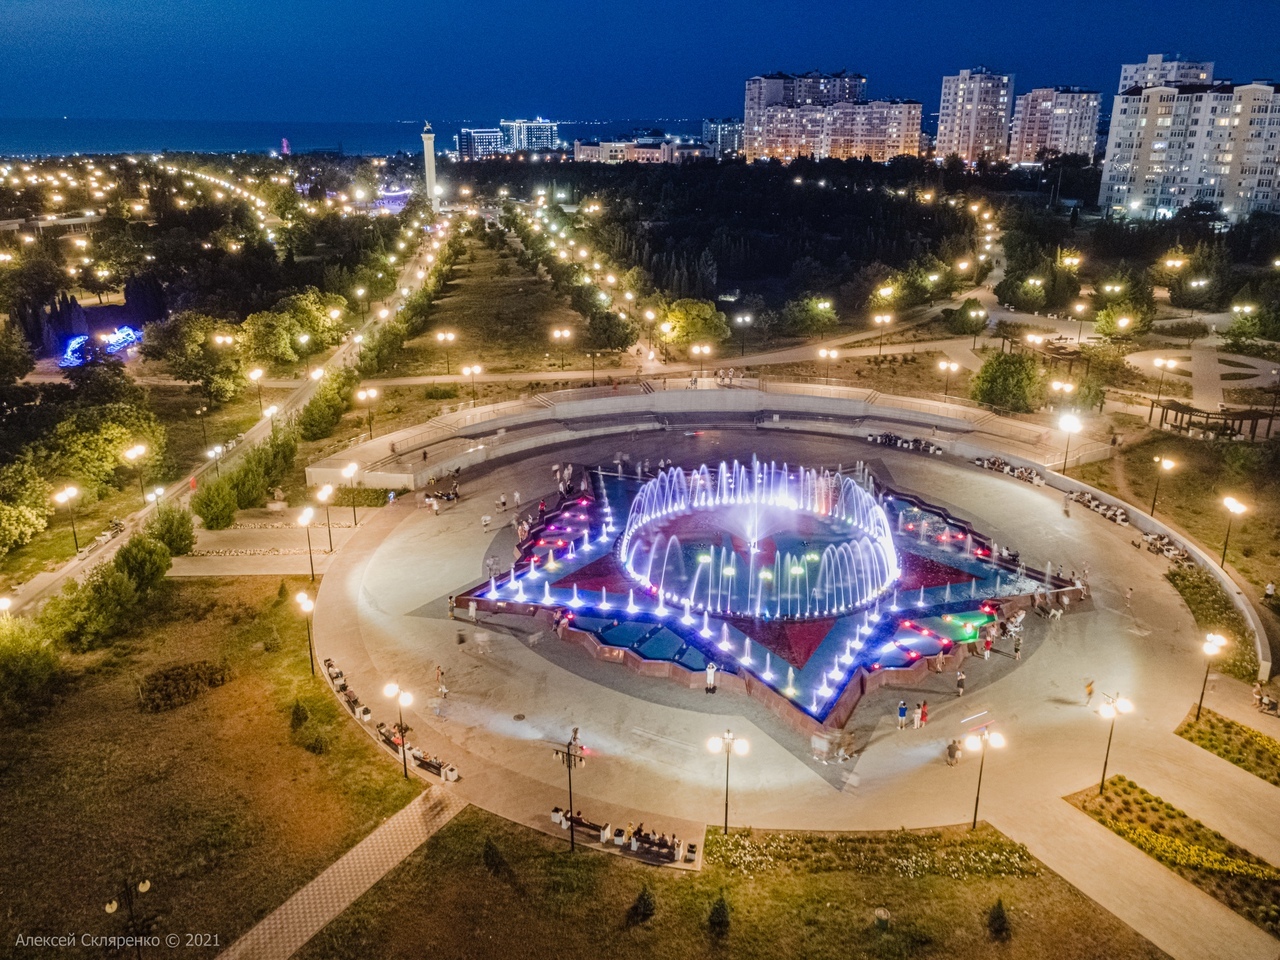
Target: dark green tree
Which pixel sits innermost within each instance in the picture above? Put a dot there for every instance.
(1009, 381)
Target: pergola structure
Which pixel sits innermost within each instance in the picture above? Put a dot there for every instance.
(1178, 416)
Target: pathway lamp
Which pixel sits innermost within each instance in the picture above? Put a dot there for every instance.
(948, 367)
(1163, 466)
(882, 320)
(214, 453)
(742, 321)
(561, 337)
(701, 351)
(1234, 509)
(1069, 424)
(403, 699)
(304, 521)
(979, 742)
(67, 496)
(369, 396)
(1213, 644)
(256, 376)
(828, 355)
(134, 455)
(324, 495)
(571, 755)
(728, 744)
(349, 474)
(307, 605)
(1112, 708)
(444, 338)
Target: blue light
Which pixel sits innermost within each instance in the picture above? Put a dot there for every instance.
(118, 339)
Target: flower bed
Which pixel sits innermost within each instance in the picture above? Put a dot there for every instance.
(1235, 743)
(1213, 611)
(1247, 884)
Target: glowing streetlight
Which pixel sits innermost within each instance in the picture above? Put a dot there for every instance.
(882, 320)
(471, 372)
(307, 605)
(828, 355)
(304, 521)
(728, 744)
(403, 698)
(1234, 509)
(948, 367)
(979, 742)
(743, 321)
(701, 351)
(67, 496)
(256, 376)
(349, 474)
(369, 396)
(324, 495)
(1112, 708)
(1213, 644)
(1162, 365)
(561, 337)
(1069, 424)
(214, 453)
(1163, 465)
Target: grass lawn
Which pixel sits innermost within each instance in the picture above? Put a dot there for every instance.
(1235, 743)
(912, 374)
(215, 802)
(175, 406)
(790, 895)
(1247, 884)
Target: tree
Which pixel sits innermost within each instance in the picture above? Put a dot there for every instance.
(696, 320)
(609, 331)
(145, 561)
(1121, 319)
(808, 316)
(1026, 295)
(88, 613)
(718, 921)
(967, 320)
(1009, 381)
(30, 668)
(15, 355)
(102, 379)
(24, 504)
(189, 343)
(215, 504)
(173, 526)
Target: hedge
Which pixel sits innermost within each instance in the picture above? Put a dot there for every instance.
(1214, 612)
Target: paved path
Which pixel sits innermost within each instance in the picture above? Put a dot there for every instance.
(284, 931)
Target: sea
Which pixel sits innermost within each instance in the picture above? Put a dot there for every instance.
(71, 135)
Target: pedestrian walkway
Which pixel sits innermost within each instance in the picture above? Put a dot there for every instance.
(284, 931)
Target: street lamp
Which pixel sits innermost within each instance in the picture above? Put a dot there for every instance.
(728, 745)
(155, 495)
(1064, 387)
(304, 521)
(1113, 707)
(975, 314)
(1162, 365)
(444, 338)
(561, 337)
(948, 367)
(979, 742)
(572, 755)
(471, 372)
(127, 894)
(1079, 309)
(1234, 509)
(1213, 644)
(133, 454)
(307, 605)
(828, 355)
(360, 300)
(369, 395)
(67, 495)
(324, 495)
(349, 474)
(214, 453)
(700, 350)
(743, 321)
(403, 699)
(882, 320)
(256, 376)
(1068, 424)
(649, 317)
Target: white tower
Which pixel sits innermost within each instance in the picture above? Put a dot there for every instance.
(429, 161)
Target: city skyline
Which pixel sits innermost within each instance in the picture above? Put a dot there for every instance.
(193, 57)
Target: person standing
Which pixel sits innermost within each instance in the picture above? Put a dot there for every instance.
(711, 676)
(502, 503)
(986, 648)
(953, 753)
(1270, 592)
(916, 714)
(516, 500)
(1017, 646)
(1128, 599)
(1088, 692)
(902, 714)
(960, 683)
(924, 712)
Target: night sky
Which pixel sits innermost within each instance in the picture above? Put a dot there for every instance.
(394, 59)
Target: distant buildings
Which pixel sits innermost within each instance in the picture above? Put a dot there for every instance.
(788, 115)
(537, 134)
(1058, 120)
(973, 116)
(724, 137)
(1158, 71)
(476, 143)
(640, 150)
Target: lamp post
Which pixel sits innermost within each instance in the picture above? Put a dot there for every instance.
(700, 350)
(1213, 644)
(204, 430)
(471, 372)
(127, 890)
(882, 320)
(155, 495)
(1068, 424)
(1079, 308)
(1064, 387)
(360, 300)
(324, 495)
(304, 521)
(307, 605)
(728, 744)
(828, 355)
(256, 376)
(649, 317)
(561, 337)
(975, 314)
(135, 454)
(1112, 708)
(1162, 365)
(270, 414)
(948, 367)
(214, 453)
(444, 338)
(742, 321)
(1234, 509)
(571, 756)
(979, 742)
(369, 396)
(349, 474)
(1164, 465)
(403, 699)
(67, 495)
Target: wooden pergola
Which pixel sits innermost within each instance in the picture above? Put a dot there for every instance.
(1175, 415)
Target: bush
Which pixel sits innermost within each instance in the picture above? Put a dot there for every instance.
(173, 526)
(718, 921)
(643, 908)
(145, 561)
(30, 670)
(1009, 381)
(440, 392)
(313, 737)
(1214, 612)
(215, 504)
(180, 684)
(298, 716)
(88, 614)
(324, 411)
(998, 922)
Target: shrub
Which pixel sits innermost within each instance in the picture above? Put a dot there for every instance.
(998, 922)
(1213, 610)
(324, 411)
(298, 716)
(718, 921)
(1009, 381)
(30, 670)
(88, 613)
(440, 392)
(643, 908)
(145, 561)
(215, 504)
(173, 526)
(313, 737)
(169, 687)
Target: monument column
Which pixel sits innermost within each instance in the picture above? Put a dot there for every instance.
(429, 162)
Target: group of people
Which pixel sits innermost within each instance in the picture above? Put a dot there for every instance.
(1001, 465)
(1265, 702)
(1159, 543)
(1112, 513)
(636, 836)
(919, 716)
(906, 443)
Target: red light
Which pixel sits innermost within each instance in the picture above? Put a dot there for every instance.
(582, 501)
(542, 543)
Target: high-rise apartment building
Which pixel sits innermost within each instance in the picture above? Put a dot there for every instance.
(1158, 71)
(474, 144)
(826, 115)
(1058, 120)
(973, 116)
(724, 137)
(1173, 145)
(537, 134)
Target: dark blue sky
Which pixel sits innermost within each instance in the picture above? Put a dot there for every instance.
(396, 59)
